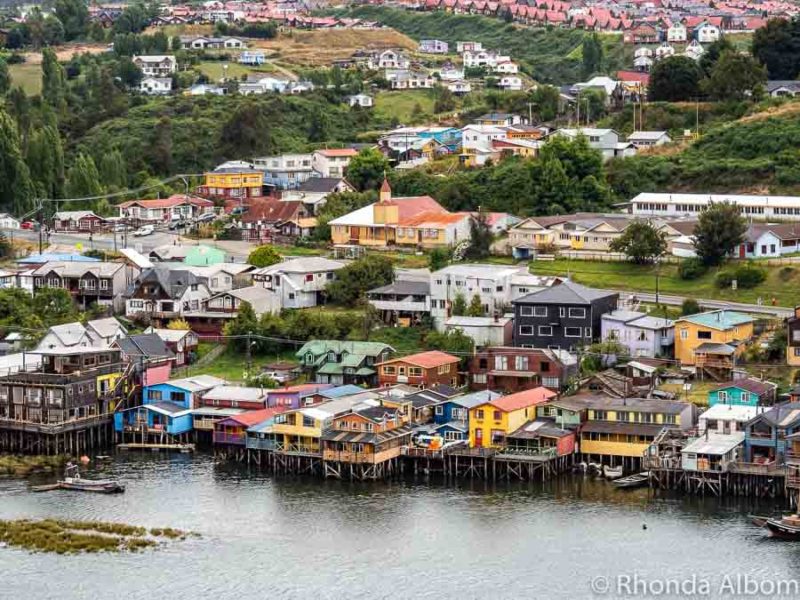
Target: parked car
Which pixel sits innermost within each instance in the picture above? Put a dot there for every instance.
(177, 225)
(275, 376)
(28, 225)
(120, 227)
(142, 231)
(206, 217)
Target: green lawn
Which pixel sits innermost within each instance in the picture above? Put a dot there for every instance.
(28, 76)
(299, 250)
(782, 282)
(406, 340)
(230, 365)
(400, 104)
(698, 394)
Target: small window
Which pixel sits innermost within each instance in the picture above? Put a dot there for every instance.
(577, 313)
(526, 329)
(539, 311)
(545, 330)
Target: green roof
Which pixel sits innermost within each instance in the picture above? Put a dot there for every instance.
(719, 319)
(365, 371)
(353, 360)
(331, 369)
(201, 256)
(317, 347)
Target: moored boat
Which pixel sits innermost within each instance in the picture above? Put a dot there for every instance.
(612, 472)
(633, 481)
(73, 481)
(787, 528)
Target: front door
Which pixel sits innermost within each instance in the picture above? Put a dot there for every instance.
(479, 438)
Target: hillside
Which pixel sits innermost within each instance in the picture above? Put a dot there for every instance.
(757, 153)
(545, 54)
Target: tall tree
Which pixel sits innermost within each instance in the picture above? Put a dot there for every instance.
(161, 147)
(53, 80)
(777, 46)
(83, 179)
(641, 242)
(713, 51)
(480, 237)
(592, 50)
(246, 132)
(719, 230)
(458, 308)
(735, 76)
(112, 169)
(74, 14)
(546, 99)
(5, 77)
(45, 159)
(475, 308)
(16, 189)
(675, 79)
(358, 277)
(53, 31)
(367, 169)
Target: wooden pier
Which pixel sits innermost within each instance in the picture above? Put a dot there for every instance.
(156, 447)
(76, 436)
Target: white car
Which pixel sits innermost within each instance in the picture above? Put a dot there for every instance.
(146, 230)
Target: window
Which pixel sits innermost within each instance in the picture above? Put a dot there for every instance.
(526, 329)
(587, 332)
(442, 370)
(439, 410)
(521, 363)
(497, 415)
(670, 419)
(291, 295)
(572, 331)
(722, 395)
(154, 395)
(308, 421)
(417, 371)
(501, 363)
(577, 313)
(551, 382)
(526, 311)
(545, 330)
(479, 414)
(177, 397)
(703, 335)
(745, 397)
(600, 415)
(309, 277)
(539, 311)
(389, 370)
(562, 311)
(623, 416)
(479, 378)
(684, 334)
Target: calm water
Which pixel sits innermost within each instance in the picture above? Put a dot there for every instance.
(284, 538)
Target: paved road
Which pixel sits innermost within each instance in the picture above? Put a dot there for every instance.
(670, 300)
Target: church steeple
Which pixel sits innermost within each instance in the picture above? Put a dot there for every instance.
(386, 191)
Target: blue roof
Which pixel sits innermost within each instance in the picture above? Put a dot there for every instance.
(40, 258)
(259, 427)
(475, 398)
(341, 391)
(719, 319)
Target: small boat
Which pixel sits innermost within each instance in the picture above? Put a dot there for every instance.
(73, 481)
(786, 528)
(612, 472)
(633, 481)
(758, 521)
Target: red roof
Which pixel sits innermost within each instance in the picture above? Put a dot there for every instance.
(413, 205)
(523, 399)
(426, 360)
(633, 77)
(302, 387)
(272, 211)
(174, 200)
(385, 187)
(254, 417)
(338, 152)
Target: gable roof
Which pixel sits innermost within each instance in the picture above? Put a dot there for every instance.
(426, 360)
(173, 281)
(566, 292)
(523, 399)
(272, 210)
(107, 327)
(318, 347)
(320, 185)
(718, 319)
(146, 345)
(749, 384)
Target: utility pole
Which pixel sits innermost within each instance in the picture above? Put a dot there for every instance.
(658, 272)
(41, 226)
(249, 355)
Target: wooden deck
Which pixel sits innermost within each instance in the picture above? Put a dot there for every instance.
(156, 447)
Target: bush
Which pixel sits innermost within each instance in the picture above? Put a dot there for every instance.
(690, 306)
(691, 268)
(747, 276)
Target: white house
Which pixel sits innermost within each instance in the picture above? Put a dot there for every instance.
(361, 100)
(706, 33)
(604, 140)
(477, 137)
(167, 293)
(643, 336)
(462, 47)
(782, 208)
(332, 162)
(411, 80)
(694, 50)
(783, 89)
(643, 63)
(644, 139)
(665, 50)
(157, 65)
(726, 418)
(252, 57)
(155, 86)
(285, 171)
(8, 222)
(769, 241)
(459, 88)
(433, 47)
(507, 66)
(510, 83)
(451, 73)
(676, 32)
(392, 59)
(482, 58)
(296, 283)
(484, 331)
(201, 89)
(712, 452)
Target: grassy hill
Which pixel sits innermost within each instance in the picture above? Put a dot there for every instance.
(548, 55)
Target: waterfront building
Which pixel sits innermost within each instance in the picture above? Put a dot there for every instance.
(491, 421)
(295, 396)
(766, 433)
(726, 418)
(793, 338)
(747, 391)
(512, 369)
(642, 335)
(423, 369)
(568, 413)
(712, 453)
(340, 362)
(541, 437)
(451, 417)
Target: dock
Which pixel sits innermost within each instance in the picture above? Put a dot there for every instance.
(157, 447)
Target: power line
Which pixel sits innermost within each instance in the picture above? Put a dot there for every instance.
(125, 192)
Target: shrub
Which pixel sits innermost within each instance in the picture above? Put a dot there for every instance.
(690, 307)
(691, 268)
(747, 276)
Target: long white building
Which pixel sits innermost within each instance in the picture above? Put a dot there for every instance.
(781, 208)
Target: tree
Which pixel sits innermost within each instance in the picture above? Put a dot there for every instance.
(358, 277)
(264, 256)
(367, 169)
(336, 205)
(438, 259)
(247, 131)
(45, 160)
(53, 80)
(245, 323)
(83, 180)
(675, 79)
(480, 237)
(54, 305)
(641, 242)
(689, 307)
(16, 188)
(74, 14)
(113, 173)
(719, 230)
(713, 51)
(777, 47)
(53, 31)
(458, 308)
(5, 77)
(546, 98)
(592, 50)
(475, 308)
(593, 102)
(445, 100)
(735, 76)
(454, 341)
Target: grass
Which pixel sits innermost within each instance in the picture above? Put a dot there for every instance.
(214, 71)
(231, 365)
(781, 282)
(698, 394)
(406, 340)
(299, 250)
(28, 76)
(400, 105)
(72, 537)
(22, 466)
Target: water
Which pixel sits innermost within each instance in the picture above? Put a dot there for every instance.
(289, 538)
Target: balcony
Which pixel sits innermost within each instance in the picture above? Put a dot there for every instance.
(400, 305)
(237, 439)
(254, 443)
